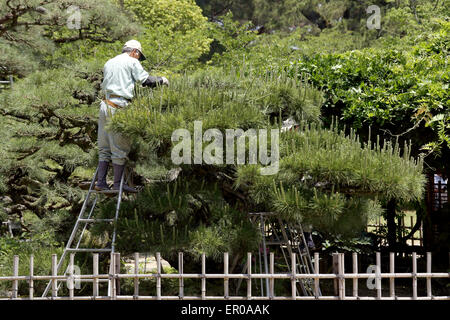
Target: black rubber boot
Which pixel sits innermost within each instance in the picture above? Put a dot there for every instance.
(118, 171)
(101, 176)
(309, 240)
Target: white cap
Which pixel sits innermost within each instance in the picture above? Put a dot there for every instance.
(134, 44)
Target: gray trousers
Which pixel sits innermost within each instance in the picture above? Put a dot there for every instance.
(112, 146)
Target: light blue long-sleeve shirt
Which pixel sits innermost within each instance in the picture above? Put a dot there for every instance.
(120, 75)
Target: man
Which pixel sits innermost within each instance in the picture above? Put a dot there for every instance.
(119, 77)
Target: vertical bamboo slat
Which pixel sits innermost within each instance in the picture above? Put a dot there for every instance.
(414, 267)
(71, 282)
(15, 287)
(378, 275)
(116, 272)
(95, 274)
(31, 290)
(249, 271)
(54, 274)
(392, 270)
(226, 292)
(158, 278)
(136, 271)
(203, 276)
(272, 271)
(293, 280)
(180, 271)
(113, 275)
(355, 271)
(336, 272)
(317, 271)
(341, 271)
(429, 292)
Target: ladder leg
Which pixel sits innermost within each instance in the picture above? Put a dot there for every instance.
(263, 223)
(74, 231)
(119, 200)
(111, 283)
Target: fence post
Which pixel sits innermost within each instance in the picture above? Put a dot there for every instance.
(15, 287)
(414, 275)
(378, 275)
(341, 280)
(136, 272)
(180, 272)
(225, 271)
(272, 280)
(71, 282)
(392, 270)
(293, 279)
(429, 292)
(249, 271)
(54, 274)
(203, 276)
(355, 271)
(31, 277)
(95, 273)
(110, 276)
(117, 272)
(158, 276)
(113, 273)
(316, 269)
(335, 271)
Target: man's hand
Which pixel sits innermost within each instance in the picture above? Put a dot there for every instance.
(165, 81)
(152, 81)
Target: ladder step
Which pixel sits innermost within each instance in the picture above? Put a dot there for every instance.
(105, 191)
(96, 220)
(88, 250)
(276, 243)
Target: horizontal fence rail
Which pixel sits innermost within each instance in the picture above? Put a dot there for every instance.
(114, 276)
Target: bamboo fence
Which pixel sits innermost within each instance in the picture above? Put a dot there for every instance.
(114, 276)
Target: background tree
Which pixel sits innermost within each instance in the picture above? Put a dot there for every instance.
(32, 29)
(175, 32)
(326, 178)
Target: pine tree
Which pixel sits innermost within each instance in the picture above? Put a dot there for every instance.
(326, 178)
(49, 118)
(32, 29)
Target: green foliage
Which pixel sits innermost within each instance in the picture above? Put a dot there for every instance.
(188, 215)
(227, 76)
(387, 88)
(33, 29)
(232, 37)
(41, 247)
(326, 178)
(175, 32)
(49, 132)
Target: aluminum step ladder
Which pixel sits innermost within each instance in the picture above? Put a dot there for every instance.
(83, 222)
(290, 238)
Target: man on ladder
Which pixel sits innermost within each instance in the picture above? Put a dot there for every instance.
(119, 77)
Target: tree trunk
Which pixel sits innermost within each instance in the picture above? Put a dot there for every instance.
(391, 226)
